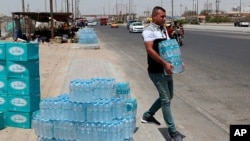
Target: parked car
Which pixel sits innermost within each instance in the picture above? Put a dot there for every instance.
(241, 23)
(114, 25)
(91, 23)
(136, 27)
(129, 22)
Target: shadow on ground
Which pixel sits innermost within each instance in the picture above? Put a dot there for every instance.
(165, 134)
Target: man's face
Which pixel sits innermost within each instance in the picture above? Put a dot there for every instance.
(160, 18)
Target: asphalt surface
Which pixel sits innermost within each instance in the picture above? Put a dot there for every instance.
(229, 27)
(60, 63)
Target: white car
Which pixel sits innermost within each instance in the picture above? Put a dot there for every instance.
(136, 27)
(92, 23)
(241, 23)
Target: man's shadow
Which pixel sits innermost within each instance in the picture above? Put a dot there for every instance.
(165, 134)
(163, 131)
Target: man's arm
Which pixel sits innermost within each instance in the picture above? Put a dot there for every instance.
(149, 48)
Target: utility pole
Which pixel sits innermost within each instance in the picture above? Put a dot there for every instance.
(240, 9)
(52, 19)
(193, 6)
(217, 10)
(197, 10)
(180, 9)
(116, 8)
(207, 7)
(172, 14)
(67, 2)
(129, 9)
(72, 3)
(23, 7)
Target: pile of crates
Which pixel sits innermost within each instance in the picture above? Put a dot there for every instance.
(19, 83)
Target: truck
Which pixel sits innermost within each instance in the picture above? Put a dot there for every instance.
(103, 20)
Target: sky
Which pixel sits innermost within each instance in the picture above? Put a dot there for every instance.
(104, 7)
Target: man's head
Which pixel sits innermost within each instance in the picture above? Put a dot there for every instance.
(159, 15)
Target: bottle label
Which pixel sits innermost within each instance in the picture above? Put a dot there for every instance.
(17, 68)
(18, 118)
(1, 84)
(1, 68)
(18, 85)
(19, 102)
(16, 51)
(2, 101)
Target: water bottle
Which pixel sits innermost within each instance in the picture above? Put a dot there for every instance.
(49, 129)
(108, 116)
(90, 112)
(126, 130)
(57, 129)
(95, 112)
(82, 110)
(121, 107)
(100, 110)
(71, 130)
(123, 90)
(80, 131)
(36, 126)
(111, 89)
(109, 131)
(96, 85)
(92, 131)
(99, 132)
(88, 132)
(42, 108)
(132, 126)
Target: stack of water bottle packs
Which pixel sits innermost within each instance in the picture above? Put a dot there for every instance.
(170, 51)
(87, 36)
(19, 83)
(96, 109)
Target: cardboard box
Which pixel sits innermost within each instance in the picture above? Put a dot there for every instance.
(3, 84)
(18, 119)
(23, 103)
(17, 51)
(3, 68)
(2, 51)
(3, 102)
(23, 69)
(1, 120)
(23, 85)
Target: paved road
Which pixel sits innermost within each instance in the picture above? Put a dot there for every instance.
(218, 27)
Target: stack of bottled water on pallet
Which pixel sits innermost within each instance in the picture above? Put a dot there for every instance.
(87, 36)
(96, 109)
(170, 51)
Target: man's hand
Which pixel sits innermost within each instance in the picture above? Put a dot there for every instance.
(168, 68)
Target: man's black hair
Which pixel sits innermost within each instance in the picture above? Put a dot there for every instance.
(155, 10)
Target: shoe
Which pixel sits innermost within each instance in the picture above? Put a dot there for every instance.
(177, 136)
(150, 119)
